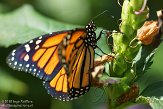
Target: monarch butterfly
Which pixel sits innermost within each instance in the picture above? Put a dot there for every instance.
(63, 60)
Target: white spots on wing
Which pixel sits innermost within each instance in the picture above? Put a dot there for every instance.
(26, 70)
(64, 61)
(37, 74)
(26, 58)
(37, 47)
(15, 63)
(40, 37)
(9, 60)
(20, 65)
(12, 59)
(50, 33)
(27, 65)
(30, 69)
(38, 41)
(27, 47)
(64, 42)
(68, 37)
(81, 93)
(13, 53)
(34, 73)
(31, 41)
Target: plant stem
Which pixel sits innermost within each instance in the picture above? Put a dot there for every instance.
(124, 54)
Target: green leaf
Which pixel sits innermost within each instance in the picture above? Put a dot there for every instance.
(131, 105)
(156, 103)
(143, 60)
(25, 23)
(154, 89)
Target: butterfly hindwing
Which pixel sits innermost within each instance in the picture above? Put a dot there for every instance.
(58, 86)
(80, 78)
(81, 60)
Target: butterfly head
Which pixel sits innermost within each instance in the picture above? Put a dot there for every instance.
(91, 27)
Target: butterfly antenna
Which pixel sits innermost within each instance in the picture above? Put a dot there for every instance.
(106, 11)
(119, 3)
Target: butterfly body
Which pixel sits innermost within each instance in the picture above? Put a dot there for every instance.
(63, 60)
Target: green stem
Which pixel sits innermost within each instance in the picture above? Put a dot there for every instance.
(110, 97)
(124, 54)
(130, 23)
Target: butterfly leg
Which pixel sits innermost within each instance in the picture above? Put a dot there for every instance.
(101, 32)
(107, 32)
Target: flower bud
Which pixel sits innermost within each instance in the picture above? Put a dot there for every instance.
(147, 32)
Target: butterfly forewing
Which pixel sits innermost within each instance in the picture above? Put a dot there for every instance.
(38, 56)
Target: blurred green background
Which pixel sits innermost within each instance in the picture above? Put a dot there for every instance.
(16, 85)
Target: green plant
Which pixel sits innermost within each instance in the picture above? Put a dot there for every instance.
(134, 48)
